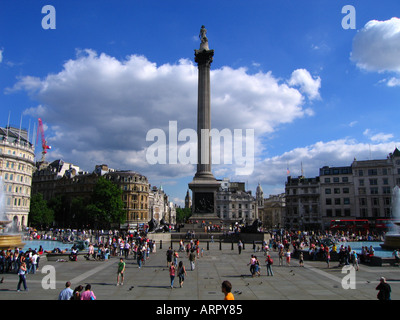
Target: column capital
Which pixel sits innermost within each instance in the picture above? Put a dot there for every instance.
(203, 57)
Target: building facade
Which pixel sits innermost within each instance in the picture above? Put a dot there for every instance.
(362, 190)
(234, 204)
(302, 203)
(16, 166)
(273, 212)
(337, 199)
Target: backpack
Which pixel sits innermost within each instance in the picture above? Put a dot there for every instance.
(270, 261)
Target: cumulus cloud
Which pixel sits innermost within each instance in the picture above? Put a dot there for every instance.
(377, 137)
(271, 172)
(99, 109)
(306, 82)
(376, 47)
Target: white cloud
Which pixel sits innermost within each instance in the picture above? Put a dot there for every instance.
(1, 55)
(99, 109)
(271, 172)
(376, 47)
(306, 82)
(378, 137)
(392, 82)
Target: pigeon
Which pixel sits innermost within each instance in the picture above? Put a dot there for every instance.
(2, 280)
(131, 288)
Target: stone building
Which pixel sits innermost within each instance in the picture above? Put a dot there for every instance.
(362, 190)
(16, 166)
(161, 209)
(273, 212)
(136, 188)
(234, 204)
(302, 203)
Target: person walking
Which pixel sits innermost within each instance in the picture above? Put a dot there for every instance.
(287, 254)
(176, 256)
(172, 270)
(127, 248)
(192, 259)
(384, 290)
(22, 277)
(120, 272)
(66, 293)
(240, 246)
(181, 273)
(269, 263)
(281, 254)
(169, 256)
(139, 257)
(301, 259)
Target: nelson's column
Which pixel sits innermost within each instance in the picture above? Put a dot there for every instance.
(204, 185)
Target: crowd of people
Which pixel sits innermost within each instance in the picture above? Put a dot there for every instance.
(139, 248)
(11, 260)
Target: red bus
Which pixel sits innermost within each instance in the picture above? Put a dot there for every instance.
(356, 225)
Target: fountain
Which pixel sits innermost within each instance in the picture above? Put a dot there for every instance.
(7, 240)
(392, 237)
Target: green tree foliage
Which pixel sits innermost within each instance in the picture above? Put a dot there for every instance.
(182, 214)
(40, 214)
(106, 206)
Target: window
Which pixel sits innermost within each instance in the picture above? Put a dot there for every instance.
(372, 172)
(328, 202)
(327, 191)
(373, 182)
(386, 190)
(374, 190)
(336, 190)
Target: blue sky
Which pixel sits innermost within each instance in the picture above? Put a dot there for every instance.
(315, 93)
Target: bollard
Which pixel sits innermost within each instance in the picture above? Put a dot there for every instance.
(220, 244)
(208, 245)
(160, 244)
(232, 245)
(243, 246)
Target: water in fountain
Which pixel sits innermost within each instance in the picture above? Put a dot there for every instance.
(395, 228)
(392, 237)
(3, 217)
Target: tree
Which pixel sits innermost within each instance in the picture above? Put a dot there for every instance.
(106, 206)
(182, 214)
(40, 214)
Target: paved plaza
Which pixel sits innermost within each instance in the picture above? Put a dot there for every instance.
(314, 281)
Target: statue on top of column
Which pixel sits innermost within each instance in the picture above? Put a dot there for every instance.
(203, 38)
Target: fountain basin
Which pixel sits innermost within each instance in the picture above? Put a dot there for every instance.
(10, 241)
(392, 241)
